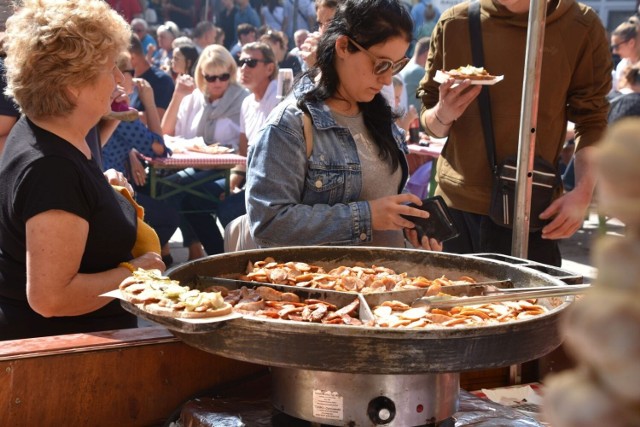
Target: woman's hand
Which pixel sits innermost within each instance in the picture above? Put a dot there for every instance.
(235, 182)
(138, 174)
(149, 261)
(386, 211)
(385, 215)
(308, 49)
(117, 178)
(185, 85)
(427, 243)
(119, 95)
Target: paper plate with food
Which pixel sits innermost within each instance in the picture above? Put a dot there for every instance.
(162, 296)
(477, 75)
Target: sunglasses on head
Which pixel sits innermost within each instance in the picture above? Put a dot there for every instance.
(222, 77)
(381, 65)
(250, 62)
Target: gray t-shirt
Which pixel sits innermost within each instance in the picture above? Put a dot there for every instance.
(377, 179)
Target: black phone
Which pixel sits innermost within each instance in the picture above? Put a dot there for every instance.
(439, 225)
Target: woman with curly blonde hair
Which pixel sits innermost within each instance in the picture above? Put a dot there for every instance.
(66, 236)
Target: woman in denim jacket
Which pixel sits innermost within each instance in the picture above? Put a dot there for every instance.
(347, 191)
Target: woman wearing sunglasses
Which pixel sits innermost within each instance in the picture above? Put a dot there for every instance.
(347, 191)
(208, 106)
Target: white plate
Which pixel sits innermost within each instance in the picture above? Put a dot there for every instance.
(441, 77)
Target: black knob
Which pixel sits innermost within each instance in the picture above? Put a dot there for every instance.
(381, 410)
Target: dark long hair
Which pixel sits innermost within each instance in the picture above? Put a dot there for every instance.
(191, 58)
(368, 22)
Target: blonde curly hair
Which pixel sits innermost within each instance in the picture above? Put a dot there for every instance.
(53, 45)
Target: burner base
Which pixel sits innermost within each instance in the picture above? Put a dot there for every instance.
(358, 400)
(258, 412)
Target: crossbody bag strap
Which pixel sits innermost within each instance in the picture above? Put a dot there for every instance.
(477, 53)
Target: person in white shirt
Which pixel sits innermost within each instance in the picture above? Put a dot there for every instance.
(207, 105)
(258, 73)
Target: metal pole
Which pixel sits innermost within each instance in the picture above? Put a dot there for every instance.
(528, 123)
(527, 140)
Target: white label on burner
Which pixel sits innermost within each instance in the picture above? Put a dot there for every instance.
(328, 405)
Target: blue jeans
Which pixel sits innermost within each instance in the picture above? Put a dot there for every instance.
(202, 226)
(209, 236)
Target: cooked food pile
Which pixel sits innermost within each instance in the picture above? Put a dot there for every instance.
(395, 314)
(358, 278)
(157, 294)
(160, 295)
(270, 303)
(469, 72)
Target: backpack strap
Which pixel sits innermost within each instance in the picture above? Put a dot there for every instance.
(307, 128)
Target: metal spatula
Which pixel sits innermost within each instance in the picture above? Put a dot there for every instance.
(557, 291)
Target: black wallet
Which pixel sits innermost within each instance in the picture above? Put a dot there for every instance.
(439, 225)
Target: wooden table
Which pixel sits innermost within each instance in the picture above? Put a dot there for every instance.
(126, 377)
(178, 161)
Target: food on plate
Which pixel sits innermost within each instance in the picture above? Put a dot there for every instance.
(209, 149)
(157, 294)
(396, 314)
(357, 278)
(469, 72)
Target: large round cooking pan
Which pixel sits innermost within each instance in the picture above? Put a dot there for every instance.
(360, 349)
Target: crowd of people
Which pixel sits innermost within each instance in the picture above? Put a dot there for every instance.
(243, 44)
(326, 164)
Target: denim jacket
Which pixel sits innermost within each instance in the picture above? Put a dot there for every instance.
(293, 200)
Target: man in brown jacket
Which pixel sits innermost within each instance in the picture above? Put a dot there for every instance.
(576, 76)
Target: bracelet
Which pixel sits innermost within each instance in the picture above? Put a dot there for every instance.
(441, 122)
(132, 268)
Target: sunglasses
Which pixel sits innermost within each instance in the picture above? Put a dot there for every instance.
(382, 65)
(250, 62)
(222, 77)
(130, 71)
(617, 45)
